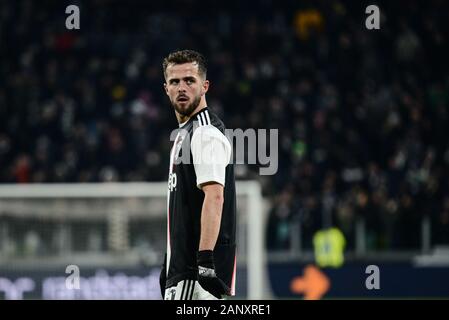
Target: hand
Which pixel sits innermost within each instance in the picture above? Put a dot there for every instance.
(207, 277)
(211, 283)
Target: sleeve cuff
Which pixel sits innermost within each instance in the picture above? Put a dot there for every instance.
(201, 181)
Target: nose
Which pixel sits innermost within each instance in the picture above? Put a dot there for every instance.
(182, 87)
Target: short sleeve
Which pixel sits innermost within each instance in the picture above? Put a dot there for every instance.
(211, 153)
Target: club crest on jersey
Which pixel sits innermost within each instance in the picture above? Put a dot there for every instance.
(178, 147)
(172, 180)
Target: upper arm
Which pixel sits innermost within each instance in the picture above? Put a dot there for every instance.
(213, 191)
(212, 188)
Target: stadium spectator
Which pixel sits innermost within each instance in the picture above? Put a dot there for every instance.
(362, 115)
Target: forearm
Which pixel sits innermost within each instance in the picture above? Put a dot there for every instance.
(210, 220)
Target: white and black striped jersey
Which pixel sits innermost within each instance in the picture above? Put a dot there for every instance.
(200, 153)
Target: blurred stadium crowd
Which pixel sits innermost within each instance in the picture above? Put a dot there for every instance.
(362, 115)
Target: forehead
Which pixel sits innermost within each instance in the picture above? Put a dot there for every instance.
(189, 69)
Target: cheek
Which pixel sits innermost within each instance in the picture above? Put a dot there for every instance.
(171, 92)
(198, 90)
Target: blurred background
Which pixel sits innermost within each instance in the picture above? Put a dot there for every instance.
(362, 115)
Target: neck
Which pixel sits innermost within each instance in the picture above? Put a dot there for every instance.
(182, 118)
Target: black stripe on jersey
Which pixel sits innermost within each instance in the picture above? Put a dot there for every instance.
(186, 296)
(191, 290)
(189, 284)
(207, 116)
(182, 291)
(204, 119)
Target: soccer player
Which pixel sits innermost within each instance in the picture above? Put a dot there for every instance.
(201, 207)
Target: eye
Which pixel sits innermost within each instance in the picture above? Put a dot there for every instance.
(174, 81)
(189, 81)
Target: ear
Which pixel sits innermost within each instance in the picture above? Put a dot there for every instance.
(205, 87)
(166, 89)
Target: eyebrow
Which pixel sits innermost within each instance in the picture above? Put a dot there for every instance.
(185, 79)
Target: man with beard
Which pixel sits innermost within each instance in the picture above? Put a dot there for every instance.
(201, 206)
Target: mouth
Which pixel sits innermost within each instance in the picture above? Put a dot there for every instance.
(182, 99)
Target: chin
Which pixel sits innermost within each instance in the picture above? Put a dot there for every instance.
(185, 111)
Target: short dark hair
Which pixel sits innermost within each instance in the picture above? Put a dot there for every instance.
(186, 56)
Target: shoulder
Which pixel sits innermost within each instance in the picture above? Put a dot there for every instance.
(206, 118)
(208, 128)
(208, 133)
